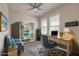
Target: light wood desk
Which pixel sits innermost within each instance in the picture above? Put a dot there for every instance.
(66, 44)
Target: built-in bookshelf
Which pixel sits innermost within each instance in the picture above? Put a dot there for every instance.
(26, 31)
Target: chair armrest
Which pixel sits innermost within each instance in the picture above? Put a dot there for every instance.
(52, 42)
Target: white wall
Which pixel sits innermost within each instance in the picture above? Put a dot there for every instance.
(4, 10)
(67, 12)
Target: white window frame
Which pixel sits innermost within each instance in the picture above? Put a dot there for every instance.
(54, 26)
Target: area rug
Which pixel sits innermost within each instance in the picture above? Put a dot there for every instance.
(33, 49)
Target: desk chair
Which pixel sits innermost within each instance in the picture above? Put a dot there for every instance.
(48, 44)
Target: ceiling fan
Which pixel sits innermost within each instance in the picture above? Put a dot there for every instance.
(35, 6)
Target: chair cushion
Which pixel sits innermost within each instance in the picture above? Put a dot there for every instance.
(17, 41)
(8, 40)
(13, 42)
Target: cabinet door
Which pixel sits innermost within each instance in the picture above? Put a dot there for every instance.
(15, 29)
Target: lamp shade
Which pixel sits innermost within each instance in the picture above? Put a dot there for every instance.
(67, 34)
(66, 30)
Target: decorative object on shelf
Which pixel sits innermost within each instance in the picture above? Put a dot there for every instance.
(70, 24)
(3, 22)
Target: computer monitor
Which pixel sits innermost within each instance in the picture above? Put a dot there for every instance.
(54, 33)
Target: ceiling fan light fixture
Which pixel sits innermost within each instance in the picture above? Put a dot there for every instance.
(35, 9)
(35, 6)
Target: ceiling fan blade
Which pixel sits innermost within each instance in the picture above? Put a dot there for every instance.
(39, 4)
(40, 9)
(31, 5)
(30, 9)
(35, 4)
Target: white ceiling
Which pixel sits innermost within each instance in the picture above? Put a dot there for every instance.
(22, 8)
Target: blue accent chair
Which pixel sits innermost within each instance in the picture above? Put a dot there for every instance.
(48, 43)
(12, 42)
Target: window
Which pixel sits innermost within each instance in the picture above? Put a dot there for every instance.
(44, 26)
(54, 24)
(50, 24)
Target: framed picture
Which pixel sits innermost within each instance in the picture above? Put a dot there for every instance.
(3, 22)
(71, 24)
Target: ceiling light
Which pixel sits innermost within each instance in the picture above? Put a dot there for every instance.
(35, 9)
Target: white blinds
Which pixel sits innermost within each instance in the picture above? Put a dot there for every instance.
(44, 22)
(54, 21)
(44, 26)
